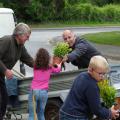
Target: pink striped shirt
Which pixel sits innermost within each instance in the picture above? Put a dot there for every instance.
(41, 78)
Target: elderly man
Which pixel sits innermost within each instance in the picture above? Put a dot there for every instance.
(12, 49)
(83, 99)
(82, 50)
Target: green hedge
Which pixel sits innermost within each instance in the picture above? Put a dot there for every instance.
(90, 13)
(63, 10)
(1, 5)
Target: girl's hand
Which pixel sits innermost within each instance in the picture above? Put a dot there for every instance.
(61, 65)
(57, 65)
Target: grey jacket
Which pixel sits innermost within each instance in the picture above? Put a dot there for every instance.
(82, 51)
(10, 52)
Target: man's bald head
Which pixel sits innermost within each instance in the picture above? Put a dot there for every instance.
(67, 32)
(69, 37)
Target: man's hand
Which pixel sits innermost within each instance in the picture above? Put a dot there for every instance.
(65, 58)
(8, 74)
(115, 113)
(63, 66)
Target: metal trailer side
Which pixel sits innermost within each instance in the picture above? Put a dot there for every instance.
(58, 89)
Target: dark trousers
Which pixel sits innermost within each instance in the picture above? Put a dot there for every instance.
(3, 98)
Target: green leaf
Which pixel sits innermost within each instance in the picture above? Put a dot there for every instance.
(61, 49)
(107, 93)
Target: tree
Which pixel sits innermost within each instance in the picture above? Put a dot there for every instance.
(59, 7)
(19, 6)
(104, 2)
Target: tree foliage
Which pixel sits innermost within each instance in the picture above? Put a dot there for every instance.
(36, 10)
(1, 4)
(77, 1)
(63, 10)
(19, 6)
(104, 2)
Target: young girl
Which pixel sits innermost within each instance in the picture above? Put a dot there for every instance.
(39, 87)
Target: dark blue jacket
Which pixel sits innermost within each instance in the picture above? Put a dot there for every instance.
(84, 98)
(82, 51)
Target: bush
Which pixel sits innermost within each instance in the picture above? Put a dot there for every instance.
(90, 13)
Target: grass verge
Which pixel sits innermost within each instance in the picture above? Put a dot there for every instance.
(108, 38)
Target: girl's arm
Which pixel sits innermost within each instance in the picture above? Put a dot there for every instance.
(56, 68)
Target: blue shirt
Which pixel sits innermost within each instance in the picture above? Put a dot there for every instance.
(84, 98)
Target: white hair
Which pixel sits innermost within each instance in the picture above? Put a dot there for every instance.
(99, 62)
(21, 28)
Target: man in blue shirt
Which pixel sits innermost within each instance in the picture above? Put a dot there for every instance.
(83, 99)
(82, 50)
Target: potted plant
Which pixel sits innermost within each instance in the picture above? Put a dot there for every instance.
(59, 51)
(108, 96)
(107, 93)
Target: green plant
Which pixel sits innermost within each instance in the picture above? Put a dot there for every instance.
(61, 49)
(107, 93)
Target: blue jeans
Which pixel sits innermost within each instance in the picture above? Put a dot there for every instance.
(12, 86)
(41, 97)
(65, 116)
